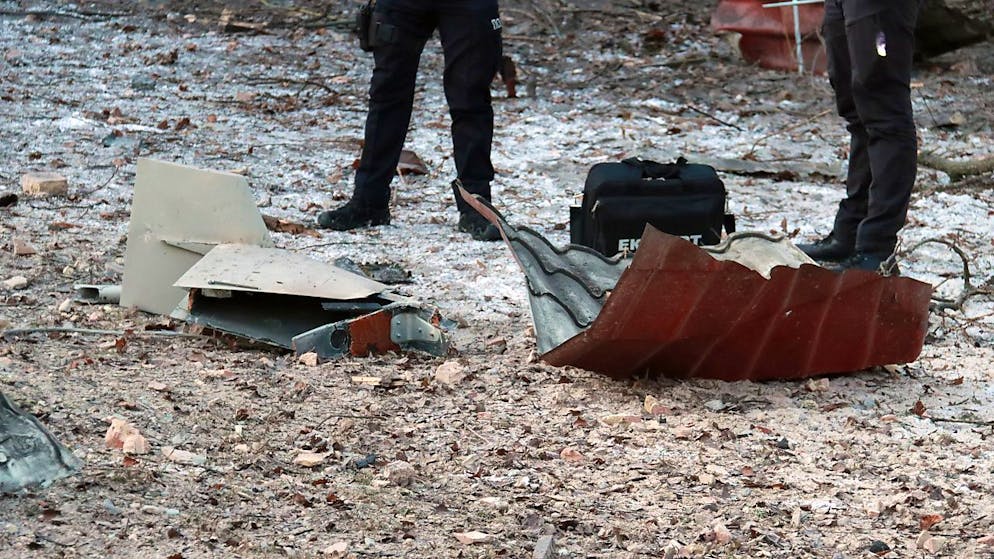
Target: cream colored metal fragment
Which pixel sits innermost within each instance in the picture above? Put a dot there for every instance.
(276, 271)
(177, 206)
(758, 252)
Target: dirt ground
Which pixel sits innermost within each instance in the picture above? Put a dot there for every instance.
(893, 462)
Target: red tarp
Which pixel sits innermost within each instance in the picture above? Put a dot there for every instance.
(767, 34)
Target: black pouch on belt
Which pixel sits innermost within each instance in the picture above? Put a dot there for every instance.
(372, 32)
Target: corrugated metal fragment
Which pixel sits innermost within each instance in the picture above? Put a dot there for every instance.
(679, 312)
(566, 288)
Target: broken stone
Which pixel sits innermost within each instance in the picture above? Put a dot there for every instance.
(309, 359)
(65, 306)
(817, 385)
(499, 504)
(450, 373)
(183, 456)
(124, 436)
(474, 537)
(44, 184)
(22, 248)
(545, 548)
(721, 533)
(570, 454)
(337, 549)
(310, 459)
(16, 282)
(399, 473)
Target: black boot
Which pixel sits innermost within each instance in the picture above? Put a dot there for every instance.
(477, 226)
(353, 215)
(881, 263)
(828, 249)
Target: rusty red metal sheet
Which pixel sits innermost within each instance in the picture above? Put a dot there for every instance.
(767, 34)
(370, 334)
(678, 312)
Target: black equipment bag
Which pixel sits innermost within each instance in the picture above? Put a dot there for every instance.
(683, 199)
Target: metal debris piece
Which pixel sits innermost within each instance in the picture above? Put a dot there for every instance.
(291, 301)
(98, 294)
(566, 288)
(681, 311)
(178, 213)
(396, 327)
(29, 455)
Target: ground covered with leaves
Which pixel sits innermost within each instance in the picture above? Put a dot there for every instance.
(484, 452)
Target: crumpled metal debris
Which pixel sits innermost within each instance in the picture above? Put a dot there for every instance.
(751, 308)
(29, 455)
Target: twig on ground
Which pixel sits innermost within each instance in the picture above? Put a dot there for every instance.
(966, 421)
(777, 132)
(940, 304)
(714, 118)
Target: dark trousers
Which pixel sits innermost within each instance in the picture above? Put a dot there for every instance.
(869, 65)
(470, 32)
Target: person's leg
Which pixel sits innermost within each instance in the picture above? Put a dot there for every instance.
(882, 48)
(470, 31)
(391, 99)
(840, 244)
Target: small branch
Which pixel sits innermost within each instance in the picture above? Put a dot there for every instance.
(969, 290)
(289, 81)
(756, 144)
(714, 118)
(956, 169)
(966, 421)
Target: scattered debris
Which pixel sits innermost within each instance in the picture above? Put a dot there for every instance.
(29, 455)
(22, 248)
(45, 184)
(411, 164)
(98, 294)
(278, 225)
(309, 359)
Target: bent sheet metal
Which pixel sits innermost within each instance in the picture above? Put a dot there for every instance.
(29, 455)
(291, 301)
(751, 308)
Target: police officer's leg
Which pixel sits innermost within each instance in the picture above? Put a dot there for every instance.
(406, 28)
(881, 47)
(391, 97)
(470, 31)
(852, 208)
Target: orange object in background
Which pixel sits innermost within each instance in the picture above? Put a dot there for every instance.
(767, 34)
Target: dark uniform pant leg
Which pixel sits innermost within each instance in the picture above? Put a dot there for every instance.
(391, 97)
(470, 31)
(881, 47)
(870, 49)
(852, 209)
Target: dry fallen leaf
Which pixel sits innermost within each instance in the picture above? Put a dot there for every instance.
(411, 164)
(927, 521)
(469, 538)
(721, 533)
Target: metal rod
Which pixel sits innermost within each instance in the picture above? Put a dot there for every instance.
(797, 40)
(797, 26)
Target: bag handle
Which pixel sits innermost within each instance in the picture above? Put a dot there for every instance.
(653, 170)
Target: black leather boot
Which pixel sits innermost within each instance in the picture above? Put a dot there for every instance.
(353, 215)
(828, 249)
